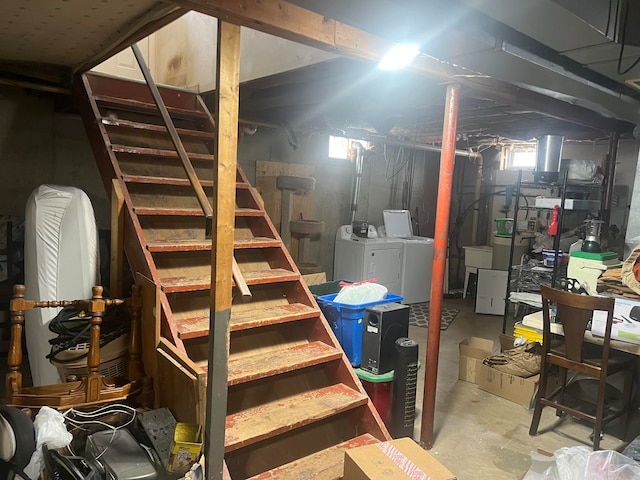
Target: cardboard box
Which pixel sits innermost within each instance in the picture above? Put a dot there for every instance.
(400, 459)
(517, 389)
(626, 324)
(185, 448)
(472, 351)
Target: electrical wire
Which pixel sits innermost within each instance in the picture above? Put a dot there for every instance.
(91, 418)
(73, 328)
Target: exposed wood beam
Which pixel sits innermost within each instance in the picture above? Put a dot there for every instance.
(298, 24)
(224, 200)
(537, 102)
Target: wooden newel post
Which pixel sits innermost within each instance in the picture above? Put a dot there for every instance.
(94, 380)
(14, 360)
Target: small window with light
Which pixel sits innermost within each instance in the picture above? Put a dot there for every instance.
(522, 158)
(339, 146)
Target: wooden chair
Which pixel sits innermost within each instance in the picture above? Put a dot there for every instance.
(571, 352)
(94, 388)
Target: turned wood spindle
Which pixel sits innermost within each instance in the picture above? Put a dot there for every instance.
(14, 360)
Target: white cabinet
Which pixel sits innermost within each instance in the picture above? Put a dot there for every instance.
(491, 291)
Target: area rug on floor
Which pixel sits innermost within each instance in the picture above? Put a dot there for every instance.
(419, 315)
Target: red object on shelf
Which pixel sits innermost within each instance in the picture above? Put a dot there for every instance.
(553, 224)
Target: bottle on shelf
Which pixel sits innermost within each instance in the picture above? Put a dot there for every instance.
(553, 224)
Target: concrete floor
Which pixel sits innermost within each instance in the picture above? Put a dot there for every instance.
(479, 435)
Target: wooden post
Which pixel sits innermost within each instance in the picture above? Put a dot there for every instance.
(135, 371)
(224, 195)
(443, 208)
(13, 382)
(117, 240)
(94, 379)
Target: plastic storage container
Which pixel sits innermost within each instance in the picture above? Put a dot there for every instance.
(378, 387)
(347, 320)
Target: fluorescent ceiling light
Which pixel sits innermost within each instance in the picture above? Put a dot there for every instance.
(398, 57)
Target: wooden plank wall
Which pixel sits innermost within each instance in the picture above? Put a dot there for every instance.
(266, 174)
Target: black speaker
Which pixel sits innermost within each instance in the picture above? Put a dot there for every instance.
(383, 325)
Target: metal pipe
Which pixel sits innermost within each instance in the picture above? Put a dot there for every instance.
(607, 194)
(359, 162)
(443, 209)
(476, 201)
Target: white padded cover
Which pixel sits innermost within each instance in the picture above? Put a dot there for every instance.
(61, 257)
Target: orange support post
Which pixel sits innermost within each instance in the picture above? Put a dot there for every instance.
(443, 208)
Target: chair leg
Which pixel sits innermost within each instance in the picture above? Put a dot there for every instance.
(629, 376)
(597, 428)
(541, 393)
(562, 378)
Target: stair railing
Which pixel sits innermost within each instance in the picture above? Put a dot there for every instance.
(188, 167)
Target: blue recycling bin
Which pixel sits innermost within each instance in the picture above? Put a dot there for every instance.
(347, 321)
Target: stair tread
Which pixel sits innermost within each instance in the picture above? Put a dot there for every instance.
(179, 182)
(185, 132)
(158, 152)
(279, 416)
(203, 282)
(327, 464)
(195, 327)
(127, 102)
(262, 365)
(205, 244)
(192, 212)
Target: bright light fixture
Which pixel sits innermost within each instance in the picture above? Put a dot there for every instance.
(398, 57)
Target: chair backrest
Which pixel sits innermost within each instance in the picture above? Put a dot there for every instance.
(574, 312)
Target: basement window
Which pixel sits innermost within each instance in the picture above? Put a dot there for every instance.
(339, 146)
(521, 158)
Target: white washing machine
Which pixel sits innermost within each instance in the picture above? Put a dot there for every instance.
(356, 259)
(417, 259)
(403, 265)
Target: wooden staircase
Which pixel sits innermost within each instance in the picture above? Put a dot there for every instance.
(294, 402)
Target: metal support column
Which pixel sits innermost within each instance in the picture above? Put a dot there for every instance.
(439, 262)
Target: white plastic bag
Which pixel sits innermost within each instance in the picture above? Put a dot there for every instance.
(359, 293)
(580, 463)
(50, 431)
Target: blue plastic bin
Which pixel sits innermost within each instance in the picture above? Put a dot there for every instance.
(347, 321)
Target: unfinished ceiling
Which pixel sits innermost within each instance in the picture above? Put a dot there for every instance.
(51, 39)
(527, 68)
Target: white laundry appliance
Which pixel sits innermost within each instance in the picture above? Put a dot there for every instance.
(403, 264)
(356, 259)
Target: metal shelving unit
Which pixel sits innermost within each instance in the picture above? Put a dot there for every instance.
(556, 238)
(558, 270)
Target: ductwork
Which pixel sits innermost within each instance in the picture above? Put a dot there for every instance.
(617, 19)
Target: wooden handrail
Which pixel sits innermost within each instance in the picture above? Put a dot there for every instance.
(186, 163)
(175, 138)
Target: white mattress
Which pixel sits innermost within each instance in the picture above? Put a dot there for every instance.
(61, 257)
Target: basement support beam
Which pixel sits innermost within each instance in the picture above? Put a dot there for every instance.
(224, 199)
(441, 241)
(297, 24)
